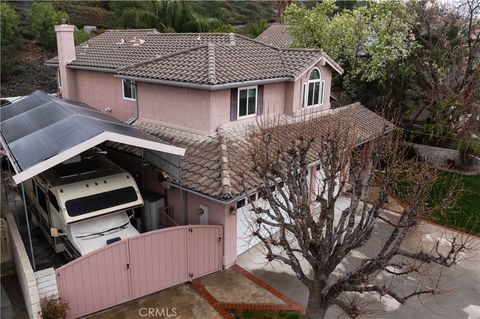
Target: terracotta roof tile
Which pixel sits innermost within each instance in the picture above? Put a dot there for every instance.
(277, 36)
(215, 165)
(199, 58)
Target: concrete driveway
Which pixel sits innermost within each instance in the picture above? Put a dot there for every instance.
(461, 282)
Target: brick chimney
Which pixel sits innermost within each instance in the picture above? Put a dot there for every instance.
(66, 54)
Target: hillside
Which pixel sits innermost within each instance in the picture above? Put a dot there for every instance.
(22, 69)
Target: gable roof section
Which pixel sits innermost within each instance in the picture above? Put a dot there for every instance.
(198, 58)
(215, 165)
(41, 131)
(276, 35)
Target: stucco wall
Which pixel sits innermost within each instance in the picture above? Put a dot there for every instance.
(294, 99)
(175, 106)
(200, 111)
(101, 90)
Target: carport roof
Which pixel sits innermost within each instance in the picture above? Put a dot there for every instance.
(40, 131)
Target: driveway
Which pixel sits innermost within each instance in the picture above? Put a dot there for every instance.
(180, 302)
(461, 283)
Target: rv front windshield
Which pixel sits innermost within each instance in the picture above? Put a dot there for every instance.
(100, 201)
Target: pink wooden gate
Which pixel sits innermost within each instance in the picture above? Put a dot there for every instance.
(139, 266)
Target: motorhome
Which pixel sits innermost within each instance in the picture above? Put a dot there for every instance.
(84, 204)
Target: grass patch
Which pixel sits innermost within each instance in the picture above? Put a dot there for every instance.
(267, 314)
(465, 215)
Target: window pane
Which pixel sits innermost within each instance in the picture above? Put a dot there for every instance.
(303, 95)
(99, 201)
(322, 92)
(316, 93)
(315, 75)
(53, 200)
(251, 101)
(127, 89)
(242, 104)
(310, 93)
(42, 199)
(133, 90)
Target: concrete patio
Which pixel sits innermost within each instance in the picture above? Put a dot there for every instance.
(181, 302)
(461, 283)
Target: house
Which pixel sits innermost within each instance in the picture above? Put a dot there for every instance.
(202, 92)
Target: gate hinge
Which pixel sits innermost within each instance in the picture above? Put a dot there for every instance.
(127, 266)
(190, 230)
(219, 239)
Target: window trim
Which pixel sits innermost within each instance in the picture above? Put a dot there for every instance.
(321, 90)
(238, 102)
(123, 90)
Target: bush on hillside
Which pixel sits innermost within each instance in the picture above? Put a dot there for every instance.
(42, 17)
(9, 23)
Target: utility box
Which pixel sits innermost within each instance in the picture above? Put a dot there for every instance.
(153, 204)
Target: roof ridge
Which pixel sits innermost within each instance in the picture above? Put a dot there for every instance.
(161, 57)
(131, 30)
(256, 41)
(211, 74)
(323, 53)
(225, 183)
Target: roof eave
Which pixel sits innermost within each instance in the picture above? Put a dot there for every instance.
(210, 87)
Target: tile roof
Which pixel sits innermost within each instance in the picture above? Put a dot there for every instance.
(215, 165)
(199, 58)
(277, 36)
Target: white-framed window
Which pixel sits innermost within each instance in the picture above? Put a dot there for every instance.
(129, 89)
(247, 102)
(313, 90)
(59, 79)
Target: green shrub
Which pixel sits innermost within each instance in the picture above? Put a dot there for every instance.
(254, 29)
(53, 308)
(81, 36)
(42, 17)
(9, 23)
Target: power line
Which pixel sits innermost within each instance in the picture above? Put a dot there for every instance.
(439, 136)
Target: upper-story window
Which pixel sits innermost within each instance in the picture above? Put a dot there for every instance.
(129, 89)
(313, 90)
(247, 102)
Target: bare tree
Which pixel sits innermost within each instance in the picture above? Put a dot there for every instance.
(301, 227)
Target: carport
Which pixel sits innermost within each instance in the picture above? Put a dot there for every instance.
(40, 131)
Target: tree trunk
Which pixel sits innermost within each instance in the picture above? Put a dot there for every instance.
(317, 306)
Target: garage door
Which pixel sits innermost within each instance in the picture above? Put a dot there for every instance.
(246, 224)
(320, 179)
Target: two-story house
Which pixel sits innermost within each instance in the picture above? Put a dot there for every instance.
(202, 92)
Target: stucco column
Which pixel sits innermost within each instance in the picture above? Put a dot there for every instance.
(66, 54)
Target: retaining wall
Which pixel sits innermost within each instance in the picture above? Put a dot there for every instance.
(443, 156)
(25, 273)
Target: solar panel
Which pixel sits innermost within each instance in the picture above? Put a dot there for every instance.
(39, 127)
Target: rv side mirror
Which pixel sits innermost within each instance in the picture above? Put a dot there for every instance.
(54, 232)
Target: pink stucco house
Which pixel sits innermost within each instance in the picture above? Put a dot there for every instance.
(202, 92)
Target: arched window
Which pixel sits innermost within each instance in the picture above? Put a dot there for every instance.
(313, 90)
